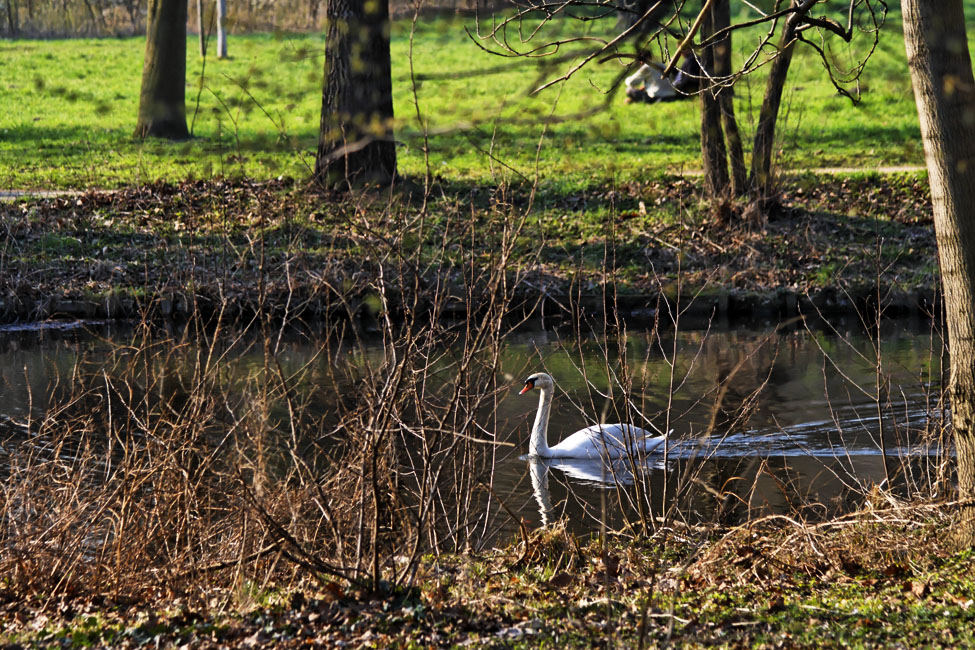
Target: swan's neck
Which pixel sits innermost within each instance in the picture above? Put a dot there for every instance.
(538, 446)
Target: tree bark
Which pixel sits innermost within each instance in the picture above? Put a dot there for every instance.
(203, 35)
(721, 18)
(92, 16)
(12, 17)
(162, 101)
(944, 90)
(714, 157)
(356, 138)
(760, 183)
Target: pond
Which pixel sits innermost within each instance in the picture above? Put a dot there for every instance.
(765, 420)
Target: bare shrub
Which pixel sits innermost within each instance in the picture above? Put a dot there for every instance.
(207, 457)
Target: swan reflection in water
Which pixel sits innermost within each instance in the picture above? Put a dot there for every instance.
(604, 473)
(604, 454)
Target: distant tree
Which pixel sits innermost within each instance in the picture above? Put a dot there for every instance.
(356, 136)
(219, 16)
(718, 123)
(714, 150)
(798, 21)
(944, 90)
(763, 145)
(162, 101)
(12, 17)
(721, 21)
(664, 29)
(201, 21)
(221, 29)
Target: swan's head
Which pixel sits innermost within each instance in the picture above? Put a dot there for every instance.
(538, 380)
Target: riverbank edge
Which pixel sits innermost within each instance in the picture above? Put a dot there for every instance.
(724, 305)
(835, 246)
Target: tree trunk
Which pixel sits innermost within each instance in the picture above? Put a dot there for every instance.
(12, 17)
(944, 89)
(203, 36)
(162, 101)
(93, 17)
(313, 8)
(356, 139)
(713, 154)
(760, 183)
(721, 18)
(221, 29)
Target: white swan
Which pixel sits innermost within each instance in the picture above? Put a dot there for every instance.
(597, 441)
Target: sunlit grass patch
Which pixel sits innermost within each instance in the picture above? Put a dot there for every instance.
(72, 105)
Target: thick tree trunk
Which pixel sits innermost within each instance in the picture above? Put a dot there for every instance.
(356, 139)
(162, 102)
(760, 183)
(721, 18)
(714, 157)
(944, 89)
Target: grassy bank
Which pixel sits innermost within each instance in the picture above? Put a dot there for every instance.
(71, 107)
(769, 583)
(172, 250)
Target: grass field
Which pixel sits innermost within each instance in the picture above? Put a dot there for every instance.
(70, 109)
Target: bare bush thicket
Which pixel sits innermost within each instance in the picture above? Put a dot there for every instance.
(182, 462)
(172, 458)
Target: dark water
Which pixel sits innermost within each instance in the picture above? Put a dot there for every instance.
(764, 420)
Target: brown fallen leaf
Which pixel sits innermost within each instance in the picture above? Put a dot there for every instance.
(919, 588)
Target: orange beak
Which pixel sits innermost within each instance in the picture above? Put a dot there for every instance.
(528, 386)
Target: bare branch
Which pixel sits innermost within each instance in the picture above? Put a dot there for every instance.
(687, 39)
(830, 25)
(620, 38)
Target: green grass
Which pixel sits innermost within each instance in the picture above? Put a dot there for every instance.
(70, 109)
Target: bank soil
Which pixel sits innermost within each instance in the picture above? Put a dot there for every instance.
(236, 247)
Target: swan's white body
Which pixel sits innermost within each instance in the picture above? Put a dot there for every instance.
(597, 441)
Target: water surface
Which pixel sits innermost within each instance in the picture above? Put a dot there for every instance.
(764, 420)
